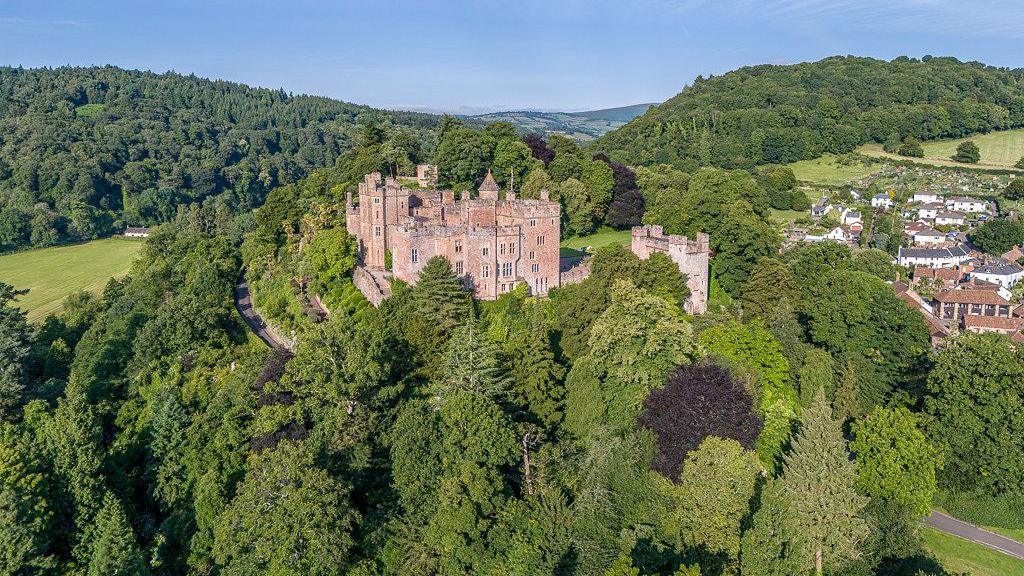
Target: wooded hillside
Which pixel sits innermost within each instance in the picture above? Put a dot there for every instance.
(777, 114)
(84, 151)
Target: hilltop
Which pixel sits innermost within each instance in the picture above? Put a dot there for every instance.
(580, 126)
(771, 114)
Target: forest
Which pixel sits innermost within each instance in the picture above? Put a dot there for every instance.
(85, 152)
(771, 114)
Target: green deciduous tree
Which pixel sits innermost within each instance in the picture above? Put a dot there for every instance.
(894, 459)
(911, 147)
(331, 255)
(818, 483)
(967, 152)
(740, 241)
(768, 546)
(632, 347)
(1015, 189)
(512, 156)
(769, 284)
(712, 502)
(998, 236)
(288, 517)
(974, 401)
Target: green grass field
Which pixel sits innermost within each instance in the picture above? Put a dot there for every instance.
(828, 172)
(602, 237)
(959, 555)
(998, 150)
(51, 274)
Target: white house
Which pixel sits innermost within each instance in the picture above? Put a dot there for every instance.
(850, 216)
(966, 204)
(881, 201)
(925, 197)
(933, 257)
(929, 237)
(821, 208)
(930, 210)
(950, 219)
(837, 234)
(1006, 275)
(132, 232)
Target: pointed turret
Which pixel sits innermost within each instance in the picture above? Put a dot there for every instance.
(489, 188)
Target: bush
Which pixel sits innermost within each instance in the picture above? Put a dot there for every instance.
(911, 147)
(1004, 511)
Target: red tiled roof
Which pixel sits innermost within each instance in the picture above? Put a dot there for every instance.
(994, 323)
(950, 274)
(971, 297)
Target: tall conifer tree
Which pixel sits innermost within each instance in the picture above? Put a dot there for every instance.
(819, 485)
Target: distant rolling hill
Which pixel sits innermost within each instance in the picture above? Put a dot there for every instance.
(581, 126)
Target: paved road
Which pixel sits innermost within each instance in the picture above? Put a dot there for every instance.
(243, 302)
(950, 525)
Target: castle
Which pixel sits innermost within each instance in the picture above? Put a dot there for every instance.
(493, 244)
(691, 256)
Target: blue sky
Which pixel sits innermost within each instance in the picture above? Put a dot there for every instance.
(487, 54)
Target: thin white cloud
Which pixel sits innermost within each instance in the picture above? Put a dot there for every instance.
(28, 22)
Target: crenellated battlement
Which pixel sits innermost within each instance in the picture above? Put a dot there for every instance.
(691, 256)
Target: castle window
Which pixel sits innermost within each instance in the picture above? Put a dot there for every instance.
(533, 255)
(485, 271)
(485, 250)
(376, 231)
(511, 247)
(533, 222)
(376, 200)
(506, 269)
(501, 248)
(458, 267)
(458, 246)
(534, 268)
(415, 255)
(540, 240)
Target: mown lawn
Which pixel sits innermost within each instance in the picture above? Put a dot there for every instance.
(828, 171)
(602, 237)
(51, 274)
(959, 555)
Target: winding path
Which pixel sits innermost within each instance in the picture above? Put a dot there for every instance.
(243, 302)
(949, 525)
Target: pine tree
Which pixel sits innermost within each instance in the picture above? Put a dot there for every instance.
(115, 551)
(440, 306)
(819, 485)
(14, 351)
(472, 363)
(767, 546)
(538, 376)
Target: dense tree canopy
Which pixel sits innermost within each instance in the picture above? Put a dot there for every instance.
(86, 151)
(771, 114)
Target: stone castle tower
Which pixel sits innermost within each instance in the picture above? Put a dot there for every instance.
(690, 255)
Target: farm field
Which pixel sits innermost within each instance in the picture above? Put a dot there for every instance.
(828, 171)
(959, 555)
(998, 150)
(51, 274)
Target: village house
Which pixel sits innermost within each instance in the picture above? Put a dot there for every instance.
(881, 200)
(950, 219)
(136, 232)
(966, 204)
(821, 208)
(929, 237)
(937, 329)
(1005, 274)
(850, 217)
(493, 244)
(925, 197)
(933, 257)
(930, 211)
(983, 324)
(938, 277)
(837, 234)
